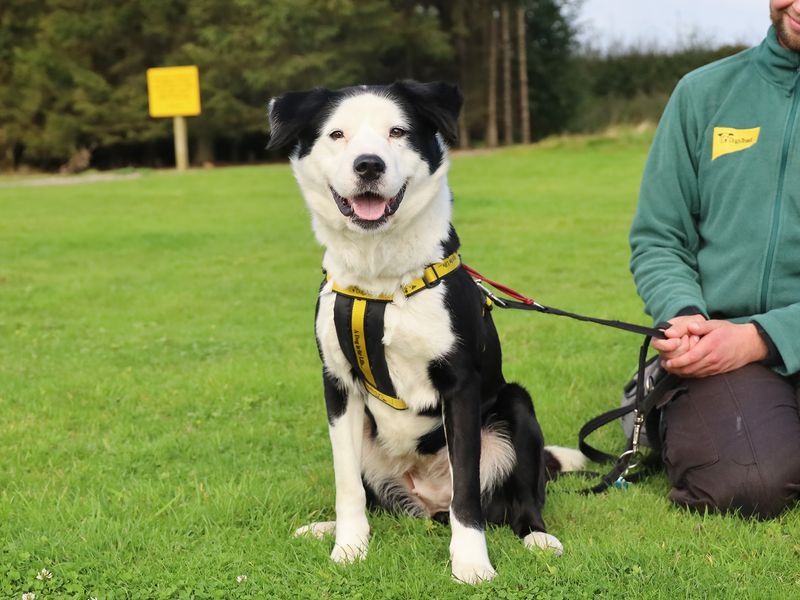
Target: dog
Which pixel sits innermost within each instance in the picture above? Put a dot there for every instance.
(421, 419)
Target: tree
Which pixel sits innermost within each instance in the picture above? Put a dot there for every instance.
(73, 71)
(555, 85)
(80, 82)
(549, 38)
(460, 34)
(508, 133)
(522, 55)
(17, 35)
(491, 111)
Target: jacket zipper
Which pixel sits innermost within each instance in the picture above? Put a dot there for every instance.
(776, 207)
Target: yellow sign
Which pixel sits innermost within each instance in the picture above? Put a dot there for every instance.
(728, 139)
(173, 91)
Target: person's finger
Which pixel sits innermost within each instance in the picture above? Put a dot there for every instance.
(669, 345)
(694, 355)
(676, 331)
(705, 327)
(697, 369)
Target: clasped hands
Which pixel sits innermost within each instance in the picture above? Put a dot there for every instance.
(696, 347)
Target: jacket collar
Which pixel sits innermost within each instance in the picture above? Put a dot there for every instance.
(778, 65)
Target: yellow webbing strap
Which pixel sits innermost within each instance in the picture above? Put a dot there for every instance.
(430, 276)
(395, 403)
(433, 273)
(358, 328)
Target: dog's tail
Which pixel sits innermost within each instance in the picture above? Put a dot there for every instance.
(558, 459)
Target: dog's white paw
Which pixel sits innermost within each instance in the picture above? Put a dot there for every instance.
(545, 541)
(352, 540)
(468, 553)
(472, 573)
(318, 530)
(345, 553)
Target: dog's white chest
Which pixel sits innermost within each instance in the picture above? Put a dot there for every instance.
(416, 331)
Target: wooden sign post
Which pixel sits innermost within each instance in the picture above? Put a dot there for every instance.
(175, 92)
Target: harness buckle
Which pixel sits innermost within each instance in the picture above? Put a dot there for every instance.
(431, 281)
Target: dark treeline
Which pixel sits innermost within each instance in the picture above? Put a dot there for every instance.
(633, 86)
(73, 88)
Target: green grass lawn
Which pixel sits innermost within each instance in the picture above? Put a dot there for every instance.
(162, 429)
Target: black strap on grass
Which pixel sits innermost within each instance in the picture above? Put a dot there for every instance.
(618, 472)
(592, 425)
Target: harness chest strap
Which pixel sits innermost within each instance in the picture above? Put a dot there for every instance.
(358, 317)
(430, 277)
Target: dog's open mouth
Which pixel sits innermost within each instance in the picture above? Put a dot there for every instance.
(369, 209)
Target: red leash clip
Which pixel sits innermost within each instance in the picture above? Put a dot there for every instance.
(505, 289)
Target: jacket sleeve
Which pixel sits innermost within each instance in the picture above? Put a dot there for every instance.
(783, 327)
(663, 238)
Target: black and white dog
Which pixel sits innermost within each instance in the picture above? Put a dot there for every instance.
(421, 420)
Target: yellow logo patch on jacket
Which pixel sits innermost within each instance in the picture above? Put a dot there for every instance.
(728, 139)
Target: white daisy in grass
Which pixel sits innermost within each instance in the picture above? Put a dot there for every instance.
(44, 574)
(28, 596)
(241, 579)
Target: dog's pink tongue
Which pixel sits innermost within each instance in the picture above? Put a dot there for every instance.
(369, 209)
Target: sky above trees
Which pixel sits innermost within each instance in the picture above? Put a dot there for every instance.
(672, 24)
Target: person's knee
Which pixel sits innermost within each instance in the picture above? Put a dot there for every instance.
(732, 443)
(751, 491)
(777, 488)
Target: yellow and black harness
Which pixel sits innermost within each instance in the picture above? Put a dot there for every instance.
(358, 317)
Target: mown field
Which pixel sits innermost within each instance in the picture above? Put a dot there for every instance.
(162, 430)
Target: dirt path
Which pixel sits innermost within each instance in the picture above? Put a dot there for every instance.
(67, 179)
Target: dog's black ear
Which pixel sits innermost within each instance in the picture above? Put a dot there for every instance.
(292, 113)
(438, 102)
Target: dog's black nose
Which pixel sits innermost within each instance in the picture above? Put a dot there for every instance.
(369, 166)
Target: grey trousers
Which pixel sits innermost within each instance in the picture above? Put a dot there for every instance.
(732, 442)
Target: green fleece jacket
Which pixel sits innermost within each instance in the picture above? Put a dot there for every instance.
(718, 221)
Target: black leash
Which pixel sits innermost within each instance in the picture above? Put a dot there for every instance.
(620, 474)
(649, 332)
(522, 302)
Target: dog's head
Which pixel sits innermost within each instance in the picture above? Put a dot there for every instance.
(367, 157)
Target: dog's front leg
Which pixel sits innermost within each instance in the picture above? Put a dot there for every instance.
(346, 429)
(462, 421)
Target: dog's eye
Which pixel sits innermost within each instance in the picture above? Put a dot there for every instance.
(397, 132)
(336, 134)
